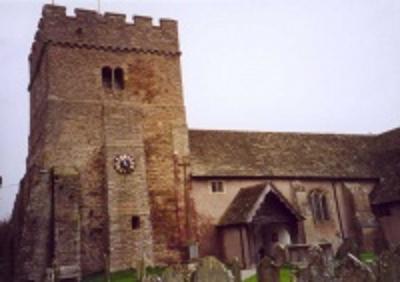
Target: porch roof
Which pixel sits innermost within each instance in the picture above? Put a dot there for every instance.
(246, 203)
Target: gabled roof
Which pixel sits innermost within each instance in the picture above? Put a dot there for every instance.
(276, 154)
(246, 203)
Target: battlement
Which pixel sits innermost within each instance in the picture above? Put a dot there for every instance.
(109, 32)
(59, 13)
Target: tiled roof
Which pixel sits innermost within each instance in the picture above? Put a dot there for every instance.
(387, 155)
(248, 200)
(276, 154)
(249, 154)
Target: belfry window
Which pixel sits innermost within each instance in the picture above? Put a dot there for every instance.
(119, 78)
(112, 78)
(106, 76)
(319, 206)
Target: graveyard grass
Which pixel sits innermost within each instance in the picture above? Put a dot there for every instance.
(131, 276)
(285, 275)
(122, 276)
(368, 257)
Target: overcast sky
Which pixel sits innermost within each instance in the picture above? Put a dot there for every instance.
(283, 65)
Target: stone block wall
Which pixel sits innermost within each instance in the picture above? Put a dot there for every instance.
(127, 195)
(77, 123)
(31, 227)
(65, 218)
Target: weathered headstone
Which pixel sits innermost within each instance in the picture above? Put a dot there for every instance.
(348, 246)
(267, 271)
(388, 266)
(50, 275)
(152, 279)
(107, 267)
(236, 270)
(301, 273)
(211, 270)
(317, 266)
(172, 274)
(141, 269)
(351, 269)
(279, 254)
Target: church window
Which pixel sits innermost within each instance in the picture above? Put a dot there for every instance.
(135, 222)
(217, 187)
(319, 206)
(119, 78)
(112, 78)
(106, 76)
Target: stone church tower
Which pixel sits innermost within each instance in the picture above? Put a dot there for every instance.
(108, 169)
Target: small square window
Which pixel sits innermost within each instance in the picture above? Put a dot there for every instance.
(217, 187)
(135, 222)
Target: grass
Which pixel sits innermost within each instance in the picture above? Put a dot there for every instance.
(122, 276)
(251, 279)
(285, 275)
(368, 257)
(131, 275)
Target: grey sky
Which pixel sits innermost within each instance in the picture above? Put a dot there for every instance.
(283, 65)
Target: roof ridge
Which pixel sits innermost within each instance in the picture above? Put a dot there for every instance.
(245, 131)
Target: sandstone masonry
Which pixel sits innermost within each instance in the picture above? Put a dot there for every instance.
(79, 128)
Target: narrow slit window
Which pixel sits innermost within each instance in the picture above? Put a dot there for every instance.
(119, 78)
(325, 208)
(106, 76)
(135, 222)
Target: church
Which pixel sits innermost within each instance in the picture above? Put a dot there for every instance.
(115, 174)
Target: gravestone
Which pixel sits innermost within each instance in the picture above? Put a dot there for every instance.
(172, 274)
(279, 254)
(351, 269)
(50, 275)
(301, 273)
(141, 268)
(211, 270)
(389, 265)
(316, 268)
(107, 267)
(153, 279)
(236, 270)
(267, 271)
(348, 246)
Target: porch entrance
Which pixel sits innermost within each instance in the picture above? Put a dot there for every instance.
(258, 218)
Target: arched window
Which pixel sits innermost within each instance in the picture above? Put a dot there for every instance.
(319, 206)
(106, 77)
(119, 78)
(324, 208)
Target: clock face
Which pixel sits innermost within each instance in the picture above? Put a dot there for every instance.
(124, 164)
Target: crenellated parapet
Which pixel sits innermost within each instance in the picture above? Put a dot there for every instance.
(109, 32)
